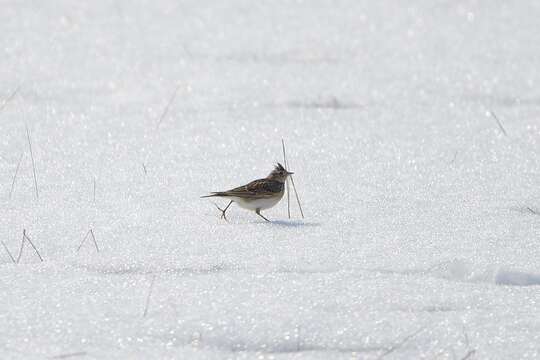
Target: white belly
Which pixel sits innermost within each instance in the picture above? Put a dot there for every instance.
(261, 204)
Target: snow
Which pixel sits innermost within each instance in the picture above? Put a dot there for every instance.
(421, 231)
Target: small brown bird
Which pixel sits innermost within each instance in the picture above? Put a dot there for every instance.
(258, 195)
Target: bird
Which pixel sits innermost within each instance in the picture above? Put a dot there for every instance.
(258, 195)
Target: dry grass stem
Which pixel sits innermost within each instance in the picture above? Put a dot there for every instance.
(286, 181)
(297, 197)
(169, 103)
(32, 244)
(90, 234)
(292, 181)
(147, 305)
(9, 98)
(498, 123)
(26, 238)
(21, 250)
(15, 175)
(9, 253)
(153, 134)
(94, 239)
(33, 162)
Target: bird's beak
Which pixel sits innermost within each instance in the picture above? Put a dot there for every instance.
(289, 173)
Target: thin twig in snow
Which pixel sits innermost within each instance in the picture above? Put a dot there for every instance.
(83, 240)
(532, 211)
(10, 97)
(94, 239)
(294, 188)
(91, 234)
(148, 296)
(498, 123)
(15, 175)
(156, 129)
(32, 244)
(26, 238)
(21, 249)
(287, 180)
(400, 344)
(9, 253)
(297, 197)
(33, 162)
(166, 110)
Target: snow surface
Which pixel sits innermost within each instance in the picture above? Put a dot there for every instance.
(421, 237)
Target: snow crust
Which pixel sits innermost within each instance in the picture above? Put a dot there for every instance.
(422, 228)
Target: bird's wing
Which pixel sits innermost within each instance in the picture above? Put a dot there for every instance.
(262, 188)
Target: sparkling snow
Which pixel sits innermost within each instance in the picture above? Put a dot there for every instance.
(422, 229)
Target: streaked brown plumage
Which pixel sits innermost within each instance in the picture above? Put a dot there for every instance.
(259, 194)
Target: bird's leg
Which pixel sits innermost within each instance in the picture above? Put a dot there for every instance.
(223, 210)
(258, 211)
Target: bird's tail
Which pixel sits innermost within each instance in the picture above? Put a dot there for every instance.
(213, 194)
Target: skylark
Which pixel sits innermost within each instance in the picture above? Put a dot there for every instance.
(258, 195)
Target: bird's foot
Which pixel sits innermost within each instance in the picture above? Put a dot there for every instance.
(223, 211)
(261, 215)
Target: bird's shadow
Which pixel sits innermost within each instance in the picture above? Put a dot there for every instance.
(293, 223)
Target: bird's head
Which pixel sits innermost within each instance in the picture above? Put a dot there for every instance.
(279, 173)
